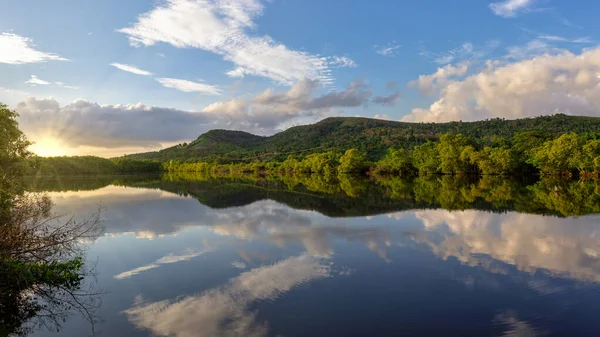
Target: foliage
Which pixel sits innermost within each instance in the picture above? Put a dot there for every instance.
(371, 136)
(353, 161)
(396, 161)
(41, 258)
(13, 152)
(86, 165)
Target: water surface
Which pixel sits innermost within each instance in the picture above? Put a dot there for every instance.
(183, 257)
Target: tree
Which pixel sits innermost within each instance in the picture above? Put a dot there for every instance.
(559, 156)
(41, 257)
(454, 153)
(426, 158)
(396, 161)
(13, 152)
(353, 161)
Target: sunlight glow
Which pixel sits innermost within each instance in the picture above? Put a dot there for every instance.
(49, 147)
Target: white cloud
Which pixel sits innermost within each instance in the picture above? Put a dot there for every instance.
(548, 84)
(514, 326)
(85, 123)
(131, 69)
(189, 86)
(224, 311)
(566, 248)
(135, 271)
(171, 258)
(530, 49)
(384, 117)
(34, 80)
(429, 83)
(555, 38)
(510, 8)
(238, 265)
(341, 62)
(391, 49)
(19, 50)
(219, 26)
(88, 124)
(270, 108)
(61, 84)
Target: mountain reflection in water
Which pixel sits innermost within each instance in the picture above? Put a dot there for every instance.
(190, 256)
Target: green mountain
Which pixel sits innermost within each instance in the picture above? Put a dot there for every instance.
(373, 136)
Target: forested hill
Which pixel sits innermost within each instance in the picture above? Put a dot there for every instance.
(374, 136)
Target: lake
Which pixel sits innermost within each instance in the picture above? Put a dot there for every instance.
(194, 256)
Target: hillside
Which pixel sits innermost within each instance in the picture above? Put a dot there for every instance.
(371, 135)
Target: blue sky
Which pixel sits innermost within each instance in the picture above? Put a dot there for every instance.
(112, 77)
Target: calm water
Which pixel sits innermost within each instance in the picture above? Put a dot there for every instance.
(243, 258)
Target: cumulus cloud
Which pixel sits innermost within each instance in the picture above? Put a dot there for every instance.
(85, 123)
(565, 248)
(225, 311)
(548, 84)
(34, 80)
(271, 108)
(264, 219)
(18, 49)
(510, 8)
(189, 86)
(131, 69)
(220, 26)
(427, 84)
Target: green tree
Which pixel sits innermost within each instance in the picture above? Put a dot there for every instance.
(13, 152)
(353, 161)
(454, 153)
(395, 161)
(559, 156)
(426, 158)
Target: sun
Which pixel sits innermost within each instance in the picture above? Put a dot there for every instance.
(48, 147)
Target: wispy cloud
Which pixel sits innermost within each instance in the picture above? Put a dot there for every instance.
(391, 49)
(131, 69)
(189, 86)
(555, 38)
(221, 27)
(530, 49)
(228, 310)
(510, 8)
(34, 80)
(568, 23)
(466, 51)
(171, 258)
(19, 50)
(387, 100)
(238, 265)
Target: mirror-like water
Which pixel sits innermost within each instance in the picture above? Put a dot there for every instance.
(353, 258)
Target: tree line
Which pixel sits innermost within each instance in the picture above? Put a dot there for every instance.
(531, 152)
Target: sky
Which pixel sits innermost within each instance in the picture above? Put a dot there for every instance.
(113, 77)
